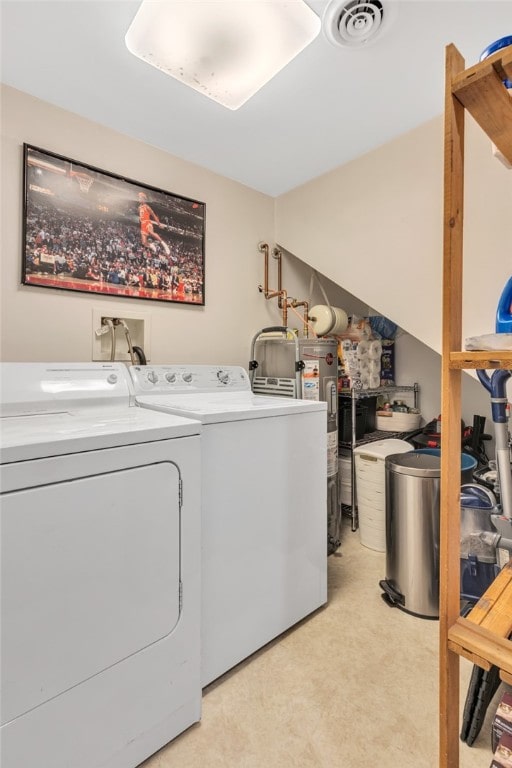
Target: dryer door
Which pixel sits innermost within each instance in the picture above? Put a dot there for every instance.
(90, 576)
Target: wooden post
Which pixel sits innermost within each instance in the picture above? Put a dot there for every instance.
(451, 414)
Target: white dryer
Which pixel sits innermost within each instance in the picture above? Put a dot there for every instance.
(264, 527)
(100, 590)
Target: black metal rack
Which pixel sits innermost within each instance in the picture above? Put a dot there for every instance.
(356, 395)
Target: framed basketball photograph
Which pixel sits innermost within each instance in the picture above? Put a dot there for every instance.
(88, 230)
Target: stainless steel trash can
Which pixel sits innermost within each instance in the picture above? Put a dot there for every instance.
(412, 533)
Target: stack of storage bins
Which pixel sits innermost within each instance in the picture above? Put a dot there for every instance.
(370, 472)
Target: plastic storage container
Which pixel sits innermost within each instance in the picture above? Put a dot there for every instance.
(371, 489)
(467, 463)
(345, 421)
(370, 403)
(394, 421)
(345, 477)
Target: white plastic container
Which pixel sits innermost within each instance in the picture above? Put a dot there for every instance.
(397, 421)
(370, 472)
(345, 477)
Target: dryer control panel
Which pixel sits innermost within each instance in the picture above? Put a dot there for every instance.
(51, 387)
(166, 379)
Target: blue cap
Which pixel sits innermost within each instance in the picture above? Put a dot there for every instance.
(503, 42)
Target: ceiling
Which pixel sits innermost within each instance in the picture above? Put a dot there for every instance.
(328, 106)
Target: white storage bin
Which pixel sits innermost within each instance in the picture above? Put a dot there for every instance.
(396, 421)
(345, 477)
(370, 473)
(346, 493)
(345, 465)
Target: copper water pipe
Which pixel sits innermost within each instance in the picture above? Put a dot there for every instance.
(294, 303)
(282, 296)
(277, 254)
(284, 308)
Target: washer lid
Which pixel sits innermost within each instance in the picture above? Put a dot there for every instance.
(38, 435)
(215, 407)
(414, 463)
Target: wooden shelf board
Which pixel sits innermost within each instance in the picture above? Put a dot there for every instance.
(480, 646)
(494, 609)
(482, 358)
(460, 650)
(480, 89)
(482, 637)
(505, 677)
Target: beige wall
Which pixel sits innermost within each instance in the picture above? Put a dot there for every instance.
(45, 324)
(414, 360)
(374, 227)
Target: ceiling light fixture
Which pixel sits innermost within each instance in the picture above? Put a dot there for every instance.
(225, 49)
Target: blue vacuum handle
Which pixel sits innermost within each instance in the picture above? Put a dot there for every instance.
(496, 385)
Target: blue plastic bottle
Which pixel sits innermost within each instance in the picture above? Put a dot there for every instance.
(503, 42)
(504, 311)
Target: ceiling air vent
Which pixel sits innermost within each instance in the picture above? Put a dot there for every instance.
(352, 23)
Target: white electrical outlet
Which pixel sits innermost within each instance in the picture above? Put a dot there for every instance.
(139, 326)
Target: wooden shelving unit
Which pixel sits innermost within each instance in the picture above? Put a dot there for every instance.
(482, 637)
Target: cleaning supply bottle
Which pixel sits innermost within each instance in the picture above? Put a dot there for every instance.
(504, 311)
(497, 45)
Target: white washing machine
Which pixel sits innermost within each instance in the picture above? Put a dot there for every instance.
(264, 527)
(100, 589)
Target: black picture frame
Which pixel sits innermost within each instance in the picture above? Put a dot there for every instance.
(89, 230)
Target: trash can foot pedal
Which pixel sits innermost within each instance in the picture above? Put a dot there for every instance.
(390, 595)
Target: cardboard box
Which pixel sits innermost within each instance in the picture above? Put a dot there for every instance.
(387, 363)
(502, 722)
(503, 755)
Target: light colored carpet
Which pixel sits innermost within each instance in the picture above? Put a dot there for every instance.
(352, 686)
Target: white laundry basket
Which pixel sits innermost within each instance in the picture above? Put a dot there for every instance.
(370, 472)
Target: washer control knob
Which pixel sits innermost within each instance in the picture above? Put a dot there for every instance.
(112, 378)
(187, 377)
(223, 377)
(171, 377)
(153, 377)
